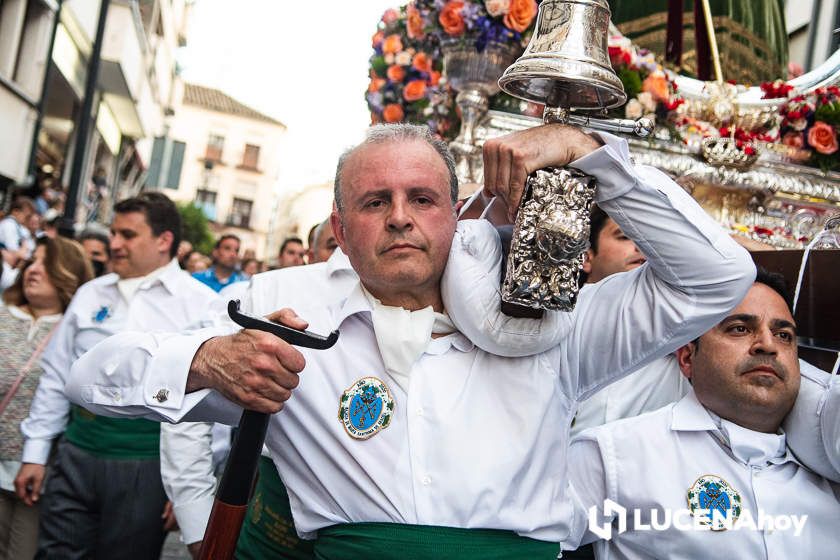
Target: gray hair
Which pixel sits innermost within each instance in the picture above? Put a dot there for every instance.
(399, 132)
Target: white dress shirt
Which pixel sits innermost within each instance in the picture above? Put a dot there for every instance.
(477, 440)
(813, 426)
(649, 463)
(649, 388)
(167, 300)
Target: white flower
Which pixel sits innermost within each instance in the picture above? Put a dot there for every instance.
(403, 58)
(647, 101)
(633, 109)
(799, 124)
(389, 58)
(497, 8)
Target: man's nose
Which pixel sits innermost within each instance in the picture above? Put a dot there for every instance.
(400, 218)
(764, 342)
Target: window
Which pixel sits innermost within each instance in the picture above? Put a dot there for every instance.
(250, 157)
(215, 146)
(206, 200)
(25, 26)
(240, 213)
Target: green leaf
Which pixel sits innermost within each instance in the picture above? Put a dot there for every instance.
(632, 81)
(380, 67)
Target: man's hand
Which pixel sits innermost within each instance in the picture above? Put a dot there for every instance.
(509, 159)
(28, 482)
(254, 369)
(168, 516)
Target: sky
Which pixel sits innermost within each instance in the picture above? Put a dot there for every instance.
(303, 63)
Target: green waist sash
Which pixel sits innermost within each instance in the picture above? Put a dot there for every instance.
(113, 438)
(385, 541)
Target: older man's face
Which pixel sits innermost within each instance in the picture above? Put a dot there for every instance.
(398, 220)
(747, 365)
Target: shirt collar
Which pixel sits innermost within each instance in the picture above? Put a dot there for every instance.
(19, 313)
(689, 415)
(168, 275)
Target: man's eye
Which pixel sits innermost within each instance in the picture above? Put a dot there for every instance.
(423, 200)
(375, 204)
(738, 329)
(784, 335)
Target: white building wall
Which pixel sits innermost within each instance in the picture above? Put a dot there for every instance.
(194, 125)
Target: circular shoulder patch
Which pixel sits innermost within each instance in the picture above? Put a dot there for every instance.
(366, 407)
(714, 502)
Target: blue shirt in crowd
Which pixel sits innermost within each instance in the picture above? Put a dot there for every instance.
(209, 278)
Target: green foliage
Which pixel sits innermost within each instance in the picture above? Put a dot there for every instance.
(195, 228)
(632, 82)
(828, 113)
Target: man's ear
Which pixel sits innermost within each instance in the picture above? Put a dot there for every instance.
(337, 227)
(165, 241)
(587, 261)
(685, 359)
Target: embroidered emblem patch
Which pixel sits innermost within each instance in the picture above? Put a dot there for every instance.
(366, 407)
(720, 502)
(103, 313)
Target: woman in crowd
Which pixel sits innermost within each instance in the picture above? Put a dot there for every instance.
(33, 307)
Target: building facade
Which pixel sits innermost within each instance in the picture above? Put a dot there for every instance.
(133, 98)
(225, 157)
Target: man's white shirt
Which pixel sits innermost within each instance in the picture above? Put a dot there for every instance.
(651, 462)
(477, 440)
(169, 299)
(649, 388)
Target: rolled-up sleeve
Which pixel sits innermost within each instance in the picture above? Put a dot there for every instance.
(695, 273)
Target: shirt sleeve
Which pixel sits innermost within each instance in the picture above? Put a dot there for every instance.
(695, 273)
(139, 374)
(50, 409)
(587, 475)
(186, 468)
(812, 428)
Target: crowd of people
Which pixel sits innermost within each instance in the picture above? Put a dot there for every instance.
(436, 427)
(88, 467)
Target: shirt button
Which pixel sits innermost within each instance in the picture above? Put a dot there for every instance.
(426, 480)
(117, 396)
(420, 411)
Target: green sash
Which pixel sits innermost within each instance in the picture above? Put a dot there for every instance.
(268, 530)
(113, 438)
(385, 541)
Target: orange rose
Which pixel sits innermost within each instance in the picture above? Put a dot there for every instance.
(392, 113)
(375, 84)
(434, 78)
(414, 90)
(657, 86)
(392, 45)
(422, 62)
(450, 18)
(414, 23)
(520, 14)
(822, 138)
(396, 73)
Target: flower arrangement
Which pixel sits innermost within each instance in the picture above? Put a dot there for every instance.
(481, 21)
(811, 122)
(405, 77)
(650, 90)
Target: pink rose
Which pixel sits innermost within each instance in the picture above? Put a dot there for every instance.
(497, 8)
(390, 16)
(822, 138)
(793, 139)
